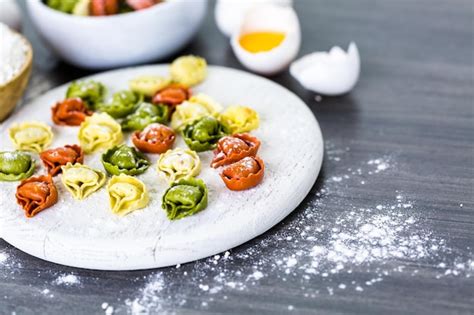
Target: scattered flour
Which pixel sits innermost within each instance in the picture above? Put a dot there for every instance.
(331, 241)
(67, 279)
(3, 258)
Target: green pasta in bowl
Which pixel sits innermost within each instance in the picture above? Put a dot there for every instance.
(126, 160)
(203, 134)
(91, 92)
(15, 166)
(145, 114)
(123, 103)
(185, 197)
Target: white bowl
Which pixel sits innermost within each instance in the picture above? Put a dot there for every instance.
(122, 39)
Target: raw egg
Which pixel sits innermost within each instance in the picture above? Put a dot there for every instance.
(268, 39)
(261, 41)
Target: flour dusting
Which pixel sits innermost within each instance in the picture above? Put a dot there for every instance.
(67, 279)
(332, 241)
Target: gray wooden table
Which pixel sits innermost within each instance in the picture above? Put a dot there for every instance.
(387, 228)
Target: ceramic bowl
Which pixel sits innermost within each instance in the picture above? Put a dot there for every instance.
(12, 90)
(122, 39)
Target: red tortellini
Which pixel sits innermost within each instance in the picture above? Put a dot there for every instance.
(155, 138)
(36, 194)
(70, 112)
(244, 174)
(231, 149)
(53, 159)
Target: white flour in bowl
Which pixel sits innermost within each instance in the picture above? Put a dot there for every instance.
(13, 51)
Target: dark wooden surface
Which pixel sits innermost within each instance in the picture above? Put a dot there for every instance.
(413, 106)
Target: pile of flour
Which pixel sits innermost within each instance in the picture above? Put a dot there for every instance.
(13, 52)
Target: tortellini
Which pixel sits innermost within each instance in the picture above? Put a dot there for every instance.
(240, 119)
(81, 180)
(145, 114)
(172, 95)
(124, 160)
(91, 92)
(185, 197)
(234, 148)
(99, 132)
(148, 85)
(126, 194)
(123, 103)
(70, 112)
(53, 159)
(35, 194)
(31, 136)
(198, 106)
(15, 165)
(178, 163)
(244, 174)
(208, 102)
(203, 134)
(189, 70)
(155, 138)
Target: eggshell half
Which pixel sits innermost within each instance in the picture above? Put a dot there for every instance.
(331, 73)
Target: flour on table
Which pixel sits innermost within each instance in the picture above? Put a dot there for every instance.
(3, 258)
(379, 238)
(67, 279)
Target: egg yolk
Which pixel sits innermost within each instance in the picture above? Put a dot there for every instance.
(261, 41)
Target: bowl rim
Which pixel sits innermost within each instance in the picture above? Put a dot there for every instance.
(92, 18)
(26, 64)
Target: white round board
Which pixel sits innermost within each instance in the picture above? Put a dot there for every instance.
(86, 234)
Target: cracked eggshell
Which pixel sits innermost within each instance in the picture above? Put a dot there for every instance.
(331, 73)
(269, 18)
(230, 13)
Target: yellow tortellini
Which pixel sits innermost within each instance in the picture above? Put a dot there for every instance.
(208, 102)
(179, 163)
(196, 107)
(99, 132)
(189, 70)
(126, 194)
(148, 85)
(240, 119)
(81, 180)
(31, 136)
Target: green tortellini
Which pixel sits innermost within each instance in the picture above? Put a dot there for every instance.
(148, 85)
(198, 106)
(146, 114)
(99, 132)
(81, 180)
(31, 136)
(185, 197)
(178, 163)
(203, 134)
(124, 160)
(122, 104)
(91, 92)
(239, 119)
(188, 70)
(15, 165)
(65, 6)
(126, 194)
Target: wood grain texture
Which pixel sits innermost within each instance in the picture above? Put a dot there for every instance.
(414, 103)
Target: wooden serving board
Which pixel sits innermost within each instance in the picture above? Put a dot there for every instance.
(86, 234)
